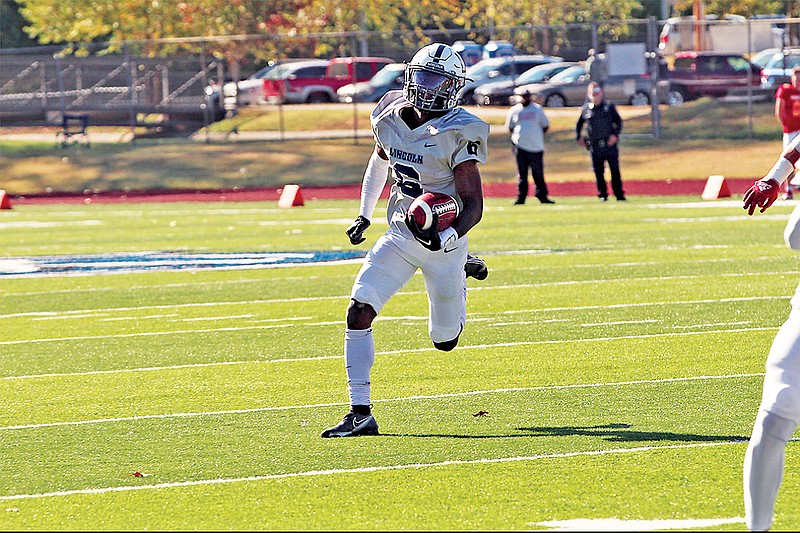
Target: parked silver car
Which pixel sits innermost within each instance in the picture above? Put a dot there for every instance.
(568, 88)
(250, 91)
(778, 70)
(502, 92)
(499, 69)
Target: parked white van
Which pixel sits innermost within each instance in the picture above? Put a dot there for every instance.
(728, 35)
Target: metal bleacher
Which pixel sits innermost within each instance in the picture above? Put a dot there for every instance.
(72, 92)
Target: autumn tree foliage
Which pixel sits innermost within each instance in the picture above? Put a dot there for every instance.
(262, 30)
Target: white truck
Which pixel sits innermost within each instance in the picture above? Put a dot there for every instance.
(727, 35)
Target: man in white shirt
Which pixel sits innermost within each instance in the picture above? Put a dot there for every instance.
(527, 123)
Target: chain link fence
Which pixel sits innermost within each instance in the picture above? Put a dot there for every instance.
(179, 81)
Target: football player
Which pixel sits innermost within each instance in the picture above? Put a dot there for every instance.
(425, 143)
(779, 413)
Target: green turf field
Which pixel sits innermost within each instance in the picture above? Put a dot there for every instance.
(610, 369)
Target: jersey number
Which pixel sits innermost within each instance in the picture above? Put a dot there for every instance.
(407, 179)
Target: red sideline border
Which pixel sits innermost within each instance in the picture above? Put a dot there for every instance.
(690, 187)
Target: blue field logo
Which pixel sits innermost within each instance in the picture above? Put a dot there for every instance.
(164, 261)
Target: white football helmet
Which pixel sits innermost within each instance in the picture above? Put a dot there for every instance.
(433, 78)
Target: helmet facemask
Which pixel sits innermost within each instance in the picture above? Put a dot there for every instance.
(434, 77)
(431, 91)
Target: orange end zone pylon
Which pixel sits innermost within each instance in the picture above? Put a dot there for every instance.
(716, 187)
(5, 200)
(291, 196)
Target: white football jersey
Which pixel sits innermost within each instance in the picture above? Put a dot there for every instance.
(423, 159)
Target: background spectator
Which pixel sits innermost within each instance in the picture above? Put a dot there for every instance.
(603, 125)
(528, 123)
(596, 67)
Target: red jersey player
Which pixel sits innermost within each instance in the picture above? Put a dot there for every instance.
(787, 111)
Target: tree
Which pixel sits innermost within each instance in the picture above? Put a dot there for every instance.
(263, 30)
(540, 13)
(746, 8)
(12, 23)
(145, 21)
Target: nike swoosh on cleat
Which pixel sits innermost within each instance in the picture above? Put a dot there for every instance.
(450, 250)
(358, 423)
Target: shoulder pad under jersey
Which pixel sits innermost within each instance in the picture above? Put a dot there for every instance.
(390, 101)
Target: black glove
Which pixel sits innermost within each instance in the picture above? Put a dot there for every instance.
(357, 229)
(429, 238)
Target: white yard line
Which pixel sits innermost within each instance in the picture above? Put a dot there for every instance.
(367, 469)
(194, 285)
(324, 357)
(472, 288)
(615, 524)
(620, 323)
(386, 400)
(171, 367)
(591, 339)
(387, 352)
(255, 302)
(144, 334)
(625, 280)
(217, 283)
(178, 306)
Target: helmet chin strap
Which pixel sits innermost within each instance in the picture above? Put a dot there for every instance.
(415, 117)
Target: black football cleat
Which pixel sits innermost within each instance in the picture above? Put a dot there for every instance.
(475, 267)
(352, 425)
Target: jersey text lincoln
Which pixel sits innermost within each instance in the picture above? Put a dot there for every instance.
(405, 156)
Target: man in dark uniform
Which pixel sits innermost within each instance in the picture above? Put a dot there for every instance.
(603, 126)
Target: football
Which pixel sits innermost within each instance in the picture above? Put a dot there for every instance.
(423, 207)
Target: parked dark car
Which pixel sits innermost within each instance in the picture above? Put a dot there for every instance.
(778, 69)
(568, 88)
(502, 92)
(389, 78)
(498, 49)
(696, 74)
(470, 51)
(499, 69)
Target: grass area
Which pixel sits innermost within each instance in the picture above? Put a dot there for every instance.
(297, 118)
(700, 119)
(618, 368)
(699, 139)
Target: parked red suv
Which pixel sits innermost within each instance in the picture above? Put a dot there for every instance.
(340, 72)
(696, 74)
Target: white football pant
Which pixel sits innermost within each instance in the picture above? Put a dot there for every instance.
(778, 417)
(388, 267)
(392, 262)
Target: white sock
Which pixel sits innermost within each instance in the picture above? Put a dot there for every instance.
(359, 354)
(763, 468)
